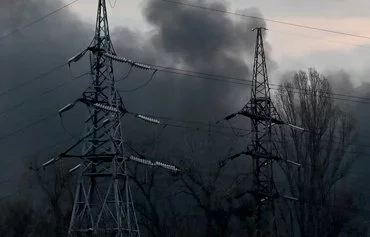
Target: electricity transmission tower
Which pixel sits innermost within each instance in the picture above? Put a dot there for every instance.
(103, 204)
(263, 116)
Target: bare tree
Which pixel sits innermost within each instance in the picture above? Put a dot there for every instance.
(214, 185)
(216, 196)
(155, 199)
(197, 202)
(155, 192)
(54, 185)
(324, 151)
(17, 219)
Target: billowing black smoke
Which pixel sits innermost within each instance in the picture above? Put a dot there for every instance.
(24, 55)
(183, 37)
(194, 40)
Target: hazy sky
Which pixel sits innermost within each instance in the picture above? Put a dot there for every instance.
(292, 47)
(50, 42)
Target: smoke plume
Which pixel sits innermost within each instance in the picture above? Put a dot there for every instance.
(183, 37)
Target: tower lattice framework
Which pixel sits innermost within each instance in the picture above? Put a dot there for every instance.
(103, 204)
(263, 114)
(262, 150)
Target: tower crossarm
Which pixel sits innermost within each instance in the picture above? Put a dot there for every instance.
(266, 156)
(258, 117)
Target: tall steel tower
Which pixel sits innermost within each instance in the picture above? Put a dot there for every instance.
(264, 116)
(103, 204)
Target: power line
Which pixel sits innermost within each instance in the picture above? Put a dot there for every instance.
(140, 86)
(205, 127)
(201, 75)
(239, 81)
(212, 132)
(199, 129)
(337, 94)
(23, 102)
(61, 85)
(52, 89)
(231, 135)
(295, 34)
(28, 126)
(37, 20)
(278, 183)
(236, 80)
(44, 118)
(32, 79)
(210, 125)
(61, 141)
(177, 71)
(320, 204)
(165, 124)
(285, 185)
(168, 69)
(161, 68)
(265, 19)
(196, 122)
(321, 39)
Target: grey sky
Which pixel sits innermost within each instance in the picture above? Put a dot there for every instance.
(313, 8)
(47, 44)
(291, 47)
(52, 41)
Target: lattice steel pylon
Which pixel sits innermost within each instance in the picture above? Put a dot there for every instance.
(103, 204)
(263, 116)
(100, 207)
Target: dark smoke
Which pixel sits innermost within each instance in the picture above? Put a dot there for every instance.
(23, 56)
(194, 40)
(185, 38)
(342, 83)
(205, 42)
(208, 41)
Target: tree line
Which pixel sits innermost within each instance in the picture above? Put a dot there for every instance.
(210, 198)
